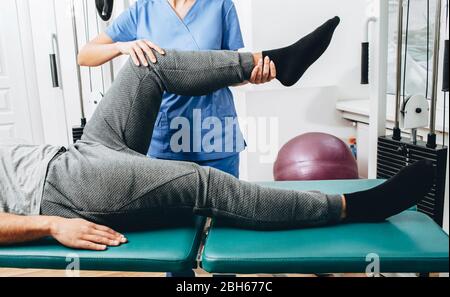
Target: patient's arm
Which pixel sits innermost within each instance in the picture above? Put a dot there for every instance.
(17, 229)
(73, 233)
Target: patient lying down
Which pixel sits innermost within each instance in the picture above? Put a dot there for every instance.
(105, 179)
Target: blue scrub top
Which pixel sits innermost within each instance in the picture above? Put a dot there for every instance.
(209, 25)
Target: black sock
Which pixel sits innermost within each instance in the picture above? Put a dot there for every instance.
(293, 61)
(396, 195)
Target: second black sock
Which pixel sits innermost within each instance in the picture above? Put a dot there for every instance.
(396, 195)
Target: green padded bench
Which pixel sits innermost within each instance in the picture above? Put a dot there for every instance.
(408, 243)
(174, 249)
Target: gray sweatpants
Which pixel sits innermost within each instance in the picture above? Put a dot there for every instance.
(106, 177)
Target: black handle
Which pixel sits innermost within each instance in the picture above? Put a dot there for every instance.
(365, 63)
(445, 76)
(105, 8)
(54, 69)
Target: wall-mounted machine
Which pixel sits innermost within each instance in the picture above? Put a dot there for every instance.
(395, 152)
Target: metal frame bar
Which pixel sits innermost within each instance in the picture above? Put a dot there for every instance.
(434, 95)
(378, 75)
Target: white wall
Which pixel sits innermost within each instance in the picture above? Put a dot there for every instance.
(297, 111)
(310, 105)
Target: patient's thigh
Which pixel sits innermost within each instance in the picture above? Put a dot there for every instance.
(94, 178)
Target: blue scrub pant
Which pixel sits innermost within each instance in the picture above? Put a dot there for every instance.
(228, 165)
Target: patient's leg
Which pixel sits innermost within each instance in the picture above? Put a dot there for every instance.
(248, 205)
(127, 191)
(215, 194)
(126, 116)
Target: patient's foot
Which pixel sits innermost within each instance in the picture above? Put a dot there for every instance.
(398, 194)
(293, 61)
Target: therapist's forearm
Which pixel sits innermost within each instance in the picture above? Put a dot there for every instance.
(94, 54)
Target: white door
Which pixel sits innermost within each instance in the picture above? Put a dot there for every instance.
(52, 101)
(15, 113)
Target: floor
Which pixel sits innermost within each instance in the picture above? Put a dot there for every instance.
(7, 272)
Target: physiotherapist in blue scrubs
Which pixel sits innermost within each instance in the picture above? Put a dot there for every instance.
(183, 25)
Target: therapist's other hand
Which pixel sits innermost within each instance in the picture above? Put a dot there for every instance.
(138, 50)
(264, 72)
(81, 234)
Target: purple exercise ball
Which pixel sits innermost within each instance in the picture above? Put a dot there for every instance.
(315, 156)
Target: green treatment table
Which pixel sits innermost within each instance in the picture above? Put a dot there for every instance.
(409, 242)
(174, 249)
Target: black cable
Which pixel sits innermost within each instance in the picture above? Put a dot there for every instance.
(406, 51)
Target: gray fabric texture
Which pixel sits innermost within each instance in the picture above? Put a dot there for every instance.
(106, 177)
(22, 172)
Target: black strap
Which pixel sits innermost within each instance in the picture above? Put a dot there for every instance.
(105, 9)
(445, 114)
(445, 77)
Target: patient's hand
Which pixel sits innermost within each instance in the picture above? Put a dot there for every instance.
(81, 234)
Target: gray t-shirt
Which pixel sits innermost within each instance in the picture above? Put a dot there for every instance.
(23, 169)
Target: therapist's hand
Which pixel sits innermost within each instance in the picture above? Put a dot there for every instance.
(138, 50)
(81, 234)
(264, 72)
